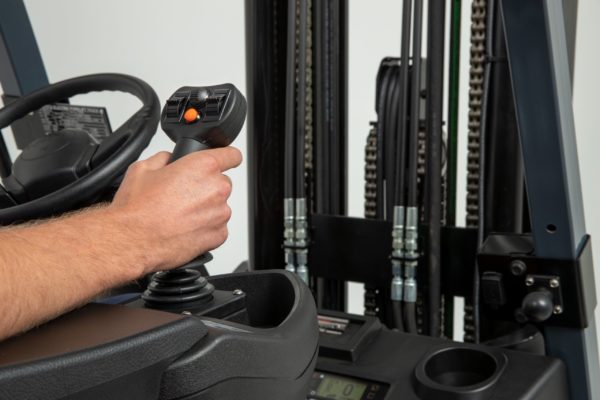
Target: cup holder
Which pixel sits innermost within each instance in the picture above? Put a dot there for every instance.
(458, 373)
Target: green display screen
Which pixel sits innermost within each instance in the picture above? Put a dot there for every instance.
(341, 389)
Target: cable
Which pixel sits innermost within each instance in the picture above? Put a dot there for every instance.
(435, 87)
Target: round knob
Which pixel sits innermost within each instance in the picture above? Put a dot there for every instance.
(538, 306)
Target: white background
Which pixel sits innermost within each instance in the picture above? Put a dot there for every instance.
(199, 42)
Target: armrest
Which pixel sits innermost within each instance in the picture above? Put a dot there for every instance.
(96, 352)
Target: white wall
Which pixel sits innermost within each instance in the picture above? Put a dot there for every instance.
(168, 44)
(195, 42)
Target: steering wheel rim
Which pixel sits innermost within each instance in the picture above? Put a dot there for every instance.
(135, 135)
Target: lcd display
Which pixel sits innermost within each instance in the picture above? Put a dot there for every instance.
(341, 388)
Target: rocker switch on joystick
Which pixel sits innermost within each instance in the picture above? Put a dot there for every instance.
(195, 118)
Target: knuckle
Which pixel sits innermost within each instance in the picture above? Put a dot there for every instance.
(210, 163)
(222, 235)
(137, 167)
(224, 189)
(226, 213)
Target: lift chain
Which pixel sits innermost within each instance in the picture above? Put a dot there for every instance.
(477, 60)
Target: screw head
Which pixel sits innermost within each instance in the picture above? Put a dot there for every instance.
(518, 267)
(520, 316)
(558, 309)
(554, 283)
(238, 292)
(529, 281)
(186, 313)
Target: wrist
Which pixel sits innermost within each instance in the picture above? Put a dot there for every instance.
(135, 240)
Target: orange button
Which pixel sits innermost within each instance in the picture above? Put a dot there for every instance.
(191, 115)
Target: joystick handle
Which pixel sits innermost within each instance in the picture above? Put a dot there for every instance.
(195, 118)
(200, 118)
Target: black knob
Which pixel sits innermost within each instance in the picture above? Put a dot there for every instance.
(538, 306)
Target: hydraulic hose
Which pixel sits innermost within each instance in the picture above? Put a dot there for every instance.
(401, 128)
(415, 103)
(390, 140)
(301, 103)
(412, 220)
(290, 104)
(410, 317)
(435, 87)
(397, 314)
(381, 115)
(290, 145)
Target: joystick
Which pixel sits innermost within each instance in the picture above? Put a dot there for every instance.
(196, 119)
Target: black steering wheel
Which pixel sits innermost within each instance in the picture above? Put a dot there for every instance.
(66, 170)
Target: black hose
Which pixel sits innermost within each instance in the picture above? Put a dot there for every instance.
(390, 141)
(410, 317)
(435, 88)
(397, 315)
(301, 104)
(400, 171)
(290, 106)
(415, 103)
(381, 114)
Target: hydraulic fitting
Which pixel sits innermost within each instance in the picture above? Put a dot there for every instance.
(410, 282)
(398, 232)
(301, 259)
(289, 234)
(301, 242)
(412, 233)
(397, 281)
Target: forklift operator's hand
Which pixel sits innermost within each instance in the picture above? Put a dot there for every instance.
(178, 210)
(161, 217)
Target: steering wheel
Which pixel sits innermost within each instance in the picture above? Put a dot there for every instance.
(66, 170)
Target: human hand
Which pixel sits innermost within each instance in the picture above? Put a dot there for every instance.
(176, 211)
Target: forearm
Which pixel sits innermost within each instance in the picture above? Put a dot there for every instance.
(51, 267)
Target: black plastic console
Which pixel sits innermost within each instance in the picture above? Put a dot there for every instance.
(361, 359)
(134, 353)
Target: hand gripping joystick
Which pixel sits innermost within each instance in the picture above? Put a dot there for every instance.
(195, 118)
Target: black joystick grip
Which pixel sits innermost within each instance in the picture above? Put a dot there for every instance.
(199, 118)
(195, 118)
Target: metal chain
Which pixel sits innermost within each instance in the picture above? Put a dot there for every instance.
(477, 59)
(371, 173)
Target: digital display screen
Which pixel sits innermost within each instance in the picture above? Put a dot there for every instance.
(341, 388)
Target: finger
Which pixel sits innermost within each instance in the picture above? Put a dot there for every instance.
(228, 179)
(158, 160)
(227, 157)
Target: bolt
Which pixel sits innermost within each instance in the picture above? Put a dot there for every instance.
(558, 309)
(186, 313)
(238, 292)
(518, 267)
(520, 316)
(529, 281)
(554, 283)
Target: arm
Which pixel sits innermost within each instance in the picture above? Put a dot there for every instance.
(161, 217)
